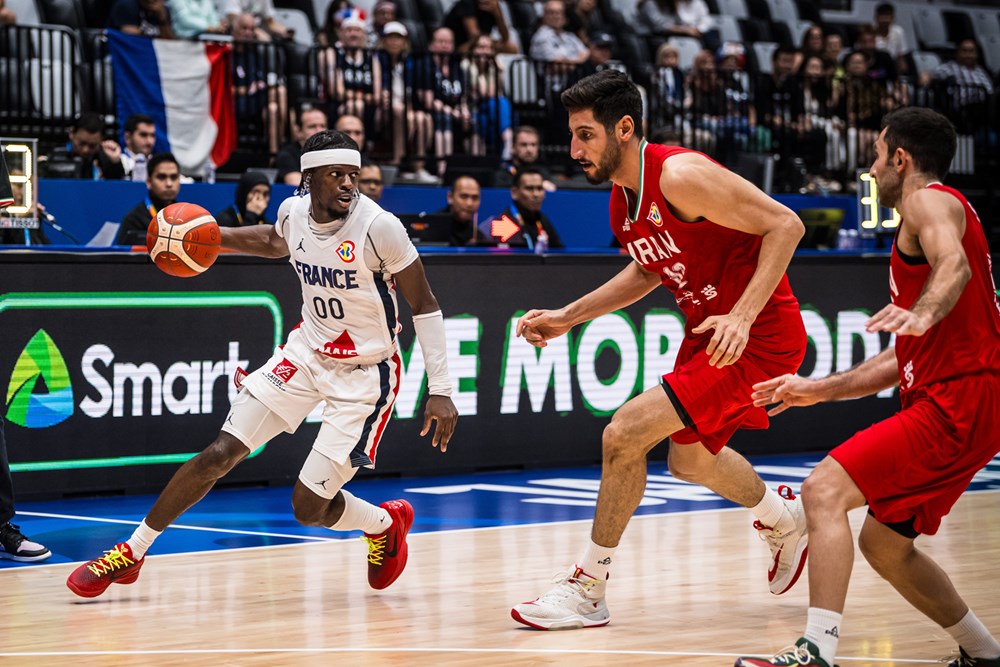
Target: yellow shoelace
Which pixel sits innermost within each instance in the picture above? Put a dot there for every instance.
(375, 548)
(110, 561)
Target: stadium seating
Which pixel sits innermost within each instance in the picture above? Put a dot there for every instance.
(296, 19)
(26, 11)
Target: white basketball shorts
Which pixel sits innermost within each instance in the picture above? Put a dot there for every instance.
(357, 399)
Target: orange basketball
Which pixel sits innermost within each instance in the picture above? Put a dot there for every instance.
(183, 240)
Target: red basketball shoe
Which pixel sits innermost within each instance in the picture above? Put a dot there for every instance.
(387, 550)
(116, 566)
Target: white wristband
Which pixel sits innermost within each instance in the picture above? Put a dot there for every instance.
(430, 332)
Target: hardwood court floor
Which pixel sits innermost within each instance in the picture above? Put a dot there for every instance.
(688, 589)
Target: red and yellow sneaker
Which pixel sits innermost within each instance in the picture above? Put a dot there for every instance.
(116, 566)
(387, 550)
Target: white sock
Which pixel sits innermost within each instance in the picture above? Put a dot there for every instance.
(596, 560)
(362, 515)
(972, 635)
(142, 539)
(771, 511)
(823, 630)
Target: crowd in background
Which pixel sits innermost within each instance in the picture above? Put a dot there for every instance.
(421, 97)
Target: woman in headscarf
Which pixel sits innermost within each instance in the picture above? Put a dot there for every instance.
(253, 194)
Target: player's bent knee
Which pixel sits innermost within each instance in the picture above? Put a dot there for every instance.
(826, 488)
(617, 444)
(222, 455)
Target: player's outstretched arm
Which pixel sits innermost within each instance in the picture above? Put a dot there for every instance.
(789, 391)
(631, 284)
(937, 220)
(428, 323)
(698, 188)
(259, 240)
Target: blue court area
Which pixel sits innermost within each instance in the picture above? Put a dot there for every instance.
(79, 529)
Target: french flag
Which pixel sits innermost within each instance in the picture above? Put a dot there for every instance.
(186, 87)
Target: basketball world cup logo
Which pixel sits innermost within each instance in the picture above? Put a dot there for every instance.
(346, 251)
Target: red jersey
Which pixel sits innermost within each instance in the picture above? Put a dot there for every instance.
(967, 340)
(706, 266)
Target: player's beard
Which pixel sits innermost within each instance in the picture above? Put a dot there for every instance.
(611, 159)
(890, 187)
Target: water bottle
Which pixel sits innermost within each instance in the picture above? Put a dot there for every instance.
(542, 243)
(139, 168)
(853, 239)
(209, 174)
(842, 240)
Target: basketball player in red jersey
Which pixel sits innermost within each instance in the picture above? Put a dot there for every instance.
(911, 468)
(722, 247)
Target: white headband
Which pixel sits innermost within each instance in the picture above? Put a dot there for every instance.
(330, 156)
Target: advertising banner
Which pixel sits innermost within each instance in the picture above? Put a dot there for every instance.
(113, 373)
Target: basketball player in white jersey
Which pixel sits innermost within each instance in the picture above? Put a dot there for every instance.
(351, 257)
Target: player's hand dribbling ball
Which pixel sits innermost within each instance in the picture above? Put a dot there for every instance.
(183, 240)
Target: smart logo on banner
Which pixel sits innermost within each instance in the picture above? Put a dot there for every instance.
(40, 393)
(126, 372)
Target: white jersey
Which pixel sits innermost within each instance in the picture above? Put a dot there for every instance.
(349, 309)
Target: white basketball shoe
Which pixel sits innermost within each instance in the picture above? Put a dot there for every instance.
(577, 601)
(788, 549)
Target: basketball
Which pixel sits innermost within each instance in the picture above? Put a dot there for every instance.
(183, 240)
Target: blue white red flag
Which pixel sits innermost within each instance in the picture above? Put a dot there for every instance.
(186, 87)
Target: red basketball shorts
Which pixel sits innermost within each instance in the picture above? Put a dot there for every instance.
(715, 402)
(916, 464)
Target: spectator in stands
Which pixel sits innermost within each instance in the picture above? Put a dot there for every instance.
(968, 89)
(820, 130)
(149, 18)
(253, 194)
(266, 25)
(87, 155)
(813, 44)
(525, 154)
(440, 84)
(354, 128)
(833, 49)
(370, 182)
(965, 70)
(412, 130)
(163, 186)
(890, 37)
(739, 121)
(7, 15)
(493, 111)
(705, 102)
(287, 160)
(468, 19)
(383, 14)
(350, 73)
(551, 42)
(881, 65)
(600, 47)
(336, 12)
(680, 18)
(864, 101)
(464, 198)
(195, 17)
(140, 138)
(584, 18)
(259, 92)
(778, 102)
(668, 87)
(525, 210)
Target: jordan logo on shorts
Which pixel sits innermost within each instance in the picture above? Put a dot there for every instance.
(285, 370)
